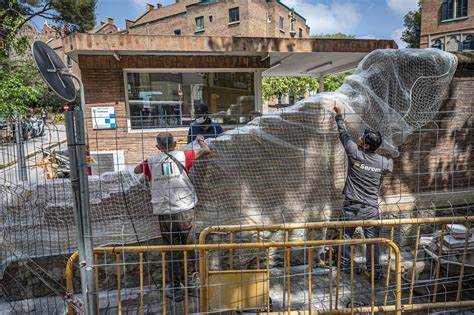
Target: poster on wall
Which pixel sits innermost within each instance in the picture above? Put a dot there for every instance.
(103, 117)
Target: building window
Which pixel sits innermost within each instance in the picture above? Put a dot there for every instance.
(282, 23)
(438, 44)
(301, 32)
(461, 8)
(468, 43)
(69, 61)
(200, 24)
(177, 32)
(234, 15)
(453, 9)
(167, 100)
(210, 18)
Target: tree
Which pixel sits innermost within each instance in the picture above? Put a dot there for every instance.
(280, 86)
(276, 87)
(15, 95)
(74, 15)
(21, 86)
(412, 23)
(67, 15)
(333, 81)
(30, 76)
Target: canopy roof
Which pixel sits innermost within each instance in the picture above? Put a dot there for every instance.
(280, 57)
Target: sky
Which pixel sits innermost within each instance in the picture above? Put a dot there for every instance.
(366, 19)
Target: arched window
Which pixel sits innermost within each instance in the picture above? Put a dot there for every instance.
(438, 44)
(468, 43)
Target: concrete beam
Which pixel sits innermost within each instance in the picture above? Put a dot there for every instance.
(127, 44)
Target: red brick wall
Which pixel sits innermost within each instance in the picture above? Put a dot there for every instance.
(261, 10)
(431, 21)
(165, 27)
(220, 18)
(253, 20)
(104, 87)
(439, 156)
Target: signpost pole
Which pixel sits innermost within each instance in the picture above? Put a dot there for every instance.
(22, 175)
(81, 192)
(72, 153)
(58, 77)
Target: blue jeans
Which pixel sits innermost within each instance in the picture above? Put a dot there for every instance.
(354, 212)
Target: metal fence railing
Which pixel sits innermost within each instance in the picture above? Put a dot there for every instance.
(227, 283)
(233, 289)
(449, 271)
(286, 171)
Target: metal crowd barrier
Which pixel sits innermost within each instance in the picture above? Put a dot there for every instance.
(224, 289)
(241, 283)
(232, 230)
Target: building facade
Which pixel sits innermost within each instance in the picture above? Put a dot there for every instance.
(151, 83)
(248, 18)
(447, 25)
(151, 76)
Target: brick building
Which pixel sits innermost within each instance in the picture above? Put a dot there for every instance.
(55, 41)
(258, 18)
(151, 83)
(151, 75)
(447, 25)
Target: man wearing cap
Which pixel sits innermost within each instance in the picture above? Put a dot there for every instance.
(365, 169)
(173, 198)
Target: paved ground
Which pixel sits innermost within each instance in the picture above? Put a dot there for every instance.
(52, 134)
(8, 154)
(299, 297)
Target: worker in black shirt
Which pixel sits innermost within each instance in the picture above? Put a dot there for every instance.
(365, 169)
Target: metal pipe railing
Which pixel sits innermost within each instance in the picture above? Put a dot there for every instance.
(204, 272)
(286, 245)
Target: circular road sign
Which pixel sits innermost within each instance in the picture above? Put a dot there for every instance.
(51, 68)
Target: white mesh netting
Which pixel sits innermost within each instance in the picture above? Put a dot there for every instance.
(283, 167)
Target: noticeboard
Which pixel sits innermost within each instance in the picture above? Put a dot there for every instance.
(103, 118)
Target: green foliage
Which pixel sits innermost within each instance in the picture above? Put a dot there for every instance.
(299, 86)
(333, 81)
(30, 76)
(21, 86)
(75, 15)
(334, 36)
(57, 118)
(412, 23)
(15, 95)
(9, 28)
(69, 15)
(279, 86)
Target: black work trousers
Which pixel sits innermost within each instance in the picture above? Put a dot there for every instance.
(177, 229)
(354, 212)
